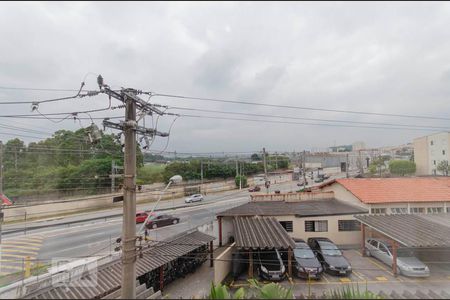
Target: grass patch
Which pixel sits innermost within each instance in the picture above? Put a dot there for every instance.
(150, 174)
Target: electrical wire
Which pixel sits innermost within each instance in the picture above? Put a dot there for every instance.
(168, 137)
(296, 107)
(301, 123)
(308, 119)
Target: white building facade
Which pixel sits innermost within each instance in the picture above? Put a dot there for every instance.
(429, 151)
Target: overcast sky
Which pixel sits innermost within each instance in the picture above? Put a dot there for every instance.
(374, 57)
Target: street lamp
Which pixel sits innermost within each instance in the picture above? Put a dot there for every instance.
(174, 179)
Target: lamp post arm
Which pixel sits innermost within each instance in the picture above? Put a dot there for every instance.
(154, 206)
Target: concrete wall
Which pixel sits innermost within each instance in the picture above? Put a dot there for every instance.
(421, 155)
(223, 264)
(342, 194)
(338, 237)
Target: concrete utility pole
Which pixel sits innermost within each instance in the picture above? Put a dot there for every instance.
(129, 204)
(201, 176)
(1, 189)
(265, 170)
(130, 128)
(346, 165)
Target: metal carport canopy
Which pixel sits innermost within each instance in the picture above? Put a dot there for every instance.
(415, 231)
(261, 233)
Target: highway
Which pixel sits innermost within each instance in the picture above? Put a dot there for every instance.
(96, 237)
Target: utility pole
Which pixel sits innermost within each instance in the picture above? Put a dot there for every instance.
(201, 176)
(114, 175)
(304, 169)
(265, 171)
(346, 165)
(237, 172)
(129, 127)
(1, 189)
(129, 204)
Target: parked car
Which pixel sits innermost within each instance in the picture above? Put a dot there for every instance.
(318, 179)
(161, 221)
(141, 216)
(277, 192)
(307, 265)
(194, 198)
(331, 258)
(270, 266)
(407, 263)
(254, 189)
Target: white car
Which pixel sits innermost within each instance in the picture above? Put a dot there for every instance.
(194, 198)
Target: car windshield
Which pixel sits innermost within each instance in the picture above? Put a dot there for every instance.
(303, 253)
(329, 249)
(403, 252)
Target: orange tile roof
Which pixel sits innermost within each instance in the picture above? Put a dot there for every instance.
(395, 190)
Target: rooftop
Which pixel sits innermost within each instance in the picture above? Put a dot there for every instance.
(261, 233)
(430, 230)
(396, 190)
(302, 208)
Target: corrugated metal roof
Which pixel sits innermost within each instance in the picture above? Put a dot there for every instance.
(418, 294)
(261, 233)
(109, 276)
(412, 230)
(304, 208)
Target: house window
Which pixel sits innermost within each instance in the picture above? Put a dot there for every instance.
(448, 209)
(417, 210)
(349, 225)
(431, 143)
(434, 162)
(316, 226)
(434, 210)
(443, 152)
(399, 210)
(378, 210)
(287, 225)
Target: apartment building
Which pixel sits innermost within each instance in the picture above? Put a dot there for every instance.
(429, 151)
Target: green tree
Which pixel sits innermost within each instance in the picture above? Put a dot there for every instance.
(238, 180)
(255, 157)
(443, 167)
(402, 167)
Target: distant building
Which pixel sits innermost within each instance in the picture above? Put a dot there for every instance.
(429, 151)
(342, 148)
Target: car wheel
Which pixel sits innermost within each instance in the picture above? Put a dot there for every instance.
(154, 226)
(367, 253)
(175, 221)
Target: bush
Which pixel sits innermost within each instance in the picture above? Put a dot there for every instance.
(238, 179)
(402, 167)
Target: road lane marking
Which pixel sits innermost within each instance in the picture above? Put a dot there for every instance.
(381, 278)
(325, 277)
(359, 275)
(9, 243)
(11, 267)
(380, 266)
(19, 247)
(345, 280)
(17, 256)
(17, 250)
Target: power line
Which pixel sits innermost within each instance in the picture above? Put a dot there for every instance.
(301, 123)
(301, 118)
(296, 107)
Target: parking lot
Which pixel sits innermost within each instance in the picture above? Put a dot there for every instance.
(370, 272)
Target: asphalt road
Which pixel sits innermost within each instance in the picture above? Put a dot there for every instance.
(97, 237)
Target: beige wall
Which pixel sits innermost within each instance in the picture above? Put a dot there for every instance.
(421, 155)
(342, 194)
(338, 237)
(223, 264)
(227, 229)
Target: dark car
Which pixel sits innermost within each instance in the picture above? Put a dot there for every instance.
(270, 265)
(161, 221)
(306, 263)
(331, 258)
(254, 189)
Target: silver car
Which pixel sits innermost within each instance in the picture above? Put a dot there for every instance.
(194, 198)
(407, 263)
